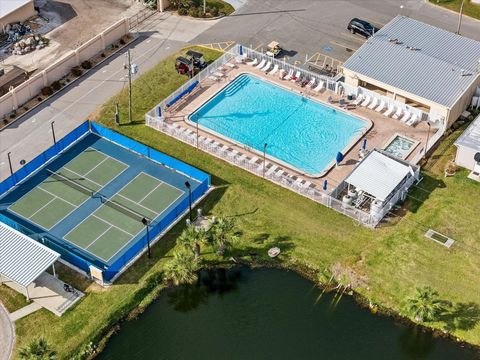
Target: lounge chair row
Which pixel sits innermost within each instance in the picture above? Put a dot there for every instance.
(380, 106)
(295, 76)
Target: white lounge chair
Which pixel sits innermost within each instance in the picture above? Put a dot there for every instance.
(296, 77)
(373, 104)
(389, 111)
(311, 83)
(214, 78)
(271, 170)
(253, 62)
(319, 86)
(381, 107)
(398, 113)
(282, 74)
(289, 75)
(253, 160)
(358, 100)
(274, 71)
(266, 67)
(405, 117)
(413, 120)
(219, 74)
(366, 101)
(230, 65)
(261, 65)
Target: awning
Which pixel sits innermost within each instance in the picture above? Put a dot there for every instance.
(378, 175)
(22, 259)
(273, 45)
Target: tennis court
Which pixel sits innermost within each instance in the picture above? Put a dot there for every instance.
(115, 221)
(56, 197)
(119, 219)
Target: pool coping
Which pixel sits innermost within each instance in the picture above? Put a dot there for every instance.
(326, 169)
(409, 152)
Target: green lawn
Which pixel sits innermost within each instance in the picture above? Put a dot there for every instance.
(469, 8)
(391, 260)
(222, 6)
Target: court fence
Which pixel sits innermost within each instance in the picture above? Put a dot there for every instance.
(75, 256)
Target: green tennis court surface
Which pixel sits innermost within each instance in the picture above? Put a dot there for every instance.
(55, 198)
(119, 219)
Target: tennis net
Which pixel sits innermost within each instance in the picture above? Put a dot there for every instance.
(72, 183)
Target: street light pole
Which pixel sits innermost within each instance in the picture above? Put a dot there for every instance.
(264, 158)
(146, 223)
(187, 185)
(53, 132)
(10, 163)
(460, 18)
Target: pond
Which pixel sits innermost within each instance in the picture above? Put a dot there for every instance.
(268, 314)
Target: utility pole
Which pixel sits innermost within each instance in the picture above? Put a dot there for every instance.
(129, 86)
(460, 18)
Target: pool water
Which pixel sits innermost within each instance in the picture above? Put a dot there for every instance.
(300, 132)
(400, 147)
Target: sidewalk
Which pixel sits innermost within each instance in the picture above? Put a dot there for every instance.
(7, 334)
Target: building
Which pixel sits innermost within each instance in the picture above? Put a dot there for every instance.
(468, 146)
(421, 65)
(14, 11)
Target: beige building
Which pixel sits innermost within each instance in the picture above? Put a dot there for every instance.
(421, 65)
(14, 11)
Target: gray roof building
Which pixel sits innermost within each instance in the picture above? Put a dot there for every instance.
(420, 59)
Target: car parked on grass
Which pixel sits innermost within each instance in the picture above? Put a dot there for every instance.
(362, 27)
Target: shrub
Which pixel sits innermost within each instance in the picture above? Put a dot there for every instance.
(47, 91)
(56, 85)
(193, 11)
(25, 108)
(39, 98)
(214, 12)
(182, 11)
(122, 42)
(13, 115)
(86, 64)
(5, 121)
(76, 71)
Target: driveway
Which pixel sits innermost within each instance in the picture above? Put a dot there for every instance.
(305, 27)
(7, 334)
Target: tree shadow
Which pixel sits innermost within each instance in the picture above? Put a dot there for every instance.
(415, 343)
(461, 316)
(211, 282)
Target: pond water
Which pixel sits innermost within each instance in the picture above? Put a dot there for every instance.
(268, 314)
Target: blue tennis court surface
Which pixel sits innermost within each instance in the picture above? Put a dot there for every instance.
(90, 202)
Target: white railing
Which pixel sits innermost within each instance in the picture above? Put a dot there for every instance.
(432, 141)
(286, 181)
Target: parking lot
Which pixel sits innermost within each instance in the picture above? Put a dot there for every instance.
(314, 29)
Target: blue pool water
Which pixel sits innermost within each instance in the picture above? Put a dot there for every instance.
(303, 133)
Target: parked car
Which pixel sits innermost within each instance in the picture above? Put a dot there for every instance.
(362, 27)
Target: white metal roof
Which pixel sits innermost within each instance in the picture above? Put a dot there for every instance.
(378, 175)
(471, 136)
(9, 6)
(23, 259)
(440, 68)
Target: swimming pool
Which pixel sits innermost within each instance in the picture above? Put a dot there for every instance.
(300, 133)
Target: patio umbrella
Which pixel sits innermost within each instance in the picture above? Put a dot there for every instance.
(325, 183)
(364, 146)
(159, 111)
(241, 50)
(339, 157)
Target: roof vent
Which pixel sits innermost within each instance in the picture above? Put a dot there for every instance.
(413, 48)
(395, 41)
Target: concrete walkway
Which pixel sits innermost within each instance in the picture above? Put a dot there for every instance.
(7, 334)
(26, 310)
(47, 292)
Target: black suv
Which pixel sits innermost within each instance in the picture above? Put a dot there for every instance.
(362, 27)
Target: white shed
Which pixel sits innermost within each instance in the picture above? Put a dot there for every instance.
(468, 145)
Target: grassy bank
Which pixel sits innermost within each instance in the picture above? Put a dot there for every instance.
(388, 262)
(469, 8)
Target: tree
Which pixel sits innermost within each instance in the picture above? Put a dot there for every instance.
(182, 269)
(425, 305)
(38, 349)
(191, 238)
(223, 234)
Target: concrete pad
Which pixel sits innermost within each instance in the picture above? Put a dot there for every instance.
(47, 292)
(26, 310)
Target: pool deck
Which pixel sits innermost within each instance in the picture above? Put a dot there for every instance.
(378, 136)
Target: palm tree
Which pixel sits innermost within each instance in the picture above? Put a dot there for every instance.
(191, 238)
(182, 269)
(38, 349)
(425, 305)
(223, 234)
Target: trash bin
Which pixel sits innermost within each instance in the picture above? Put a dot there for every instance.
(350, 97)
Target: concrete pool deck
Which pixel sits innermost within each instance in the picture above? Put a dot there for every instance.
(382, 130)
